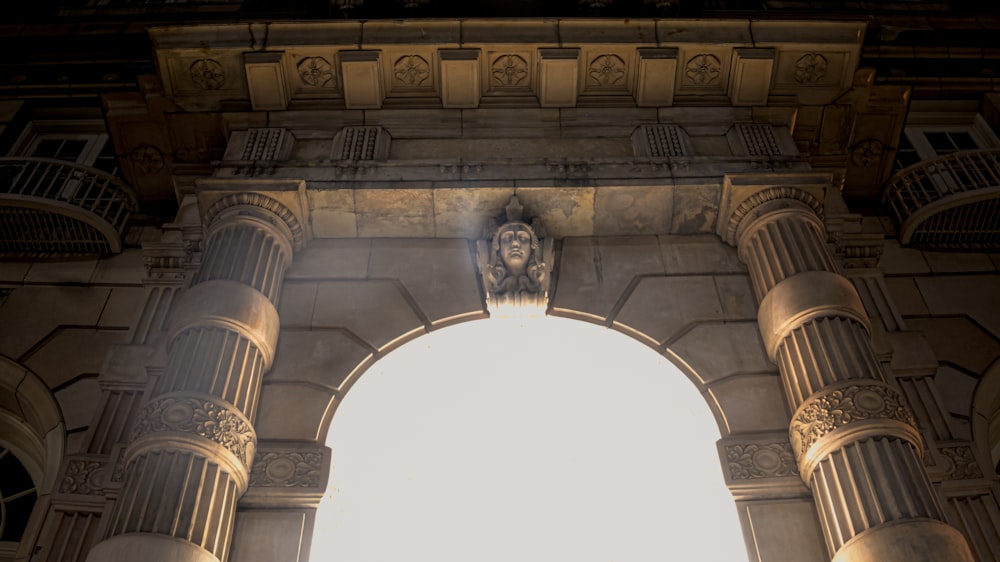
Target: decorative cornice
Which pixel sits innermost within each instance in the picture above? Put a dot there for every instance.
(201, 416)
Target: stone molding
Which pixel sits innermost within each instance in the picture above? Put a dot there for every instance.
(848, 412)
(803, 298)
(229, 305)
(186, 415)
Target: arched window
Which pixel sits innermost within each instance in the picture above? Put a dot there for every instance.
(17, 497)
(552, 440)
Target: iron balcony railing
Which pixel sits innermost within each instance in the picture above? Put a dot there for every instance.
(944, 201)
(82, 197)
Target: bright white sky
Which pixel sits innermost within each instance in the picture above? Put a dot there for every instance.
(548, 440)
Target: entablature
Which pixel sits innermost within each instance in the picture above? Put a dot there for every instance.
(477, 63)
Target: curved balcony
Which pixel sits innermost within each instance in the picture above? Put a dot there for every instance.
(949, 202)
(56, 208)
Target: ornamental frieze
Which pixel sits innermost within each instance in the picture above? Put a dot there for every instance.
(202, 417)
(836, 408)
(84, 477)
(753, 461)
(289, 468)
(961, 463)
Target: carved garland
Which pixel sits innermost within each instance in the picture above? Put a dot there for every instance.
(754, 461)
(832, 409)
(287, 469)
(201, 417)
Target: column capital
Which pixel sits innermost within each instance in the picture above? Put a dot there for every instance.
(743, 193)
(283, 200)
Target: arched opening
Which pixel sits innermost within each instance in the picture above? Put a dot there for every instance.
(512, 440)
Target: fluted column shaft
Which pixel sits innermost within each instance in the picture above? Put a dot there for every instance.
(193, 443)
(854, 437)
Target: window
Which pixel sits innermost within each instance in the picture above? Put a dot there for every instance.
(17, 498)
(930, 136)
(80, 142)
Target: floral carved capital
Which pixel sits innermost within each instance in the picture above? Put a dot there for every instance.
(839, 407)
(287, 469)
(202, 417)
(753, 461)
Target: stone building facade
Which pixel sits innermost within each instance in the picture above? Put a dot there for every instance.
(248, 221)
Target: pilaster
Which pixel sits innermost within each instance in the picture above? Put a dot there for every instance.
(853, 435)
(193, 443)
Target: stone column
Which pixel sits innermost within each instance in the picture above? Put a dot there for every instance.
(854, 437)
(193, 442)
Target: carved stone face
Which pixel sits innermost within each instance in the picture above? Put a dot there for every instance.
(515, 247)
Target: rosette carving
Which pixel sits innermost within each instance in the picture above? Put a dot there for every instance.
(703, 69)
(607, 70)
(316, 72)
(207, 74)
(835, 408)
(809, 68)
(753, 461)
(411, 71)
(509, 70)
(202, 417)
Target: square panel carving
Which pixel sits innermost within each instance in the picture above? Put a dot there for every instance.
(814, 68)
(606, 70)
(411, 72)
(703, 70)
(213, 74)
(509, 72)
(313, 73)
